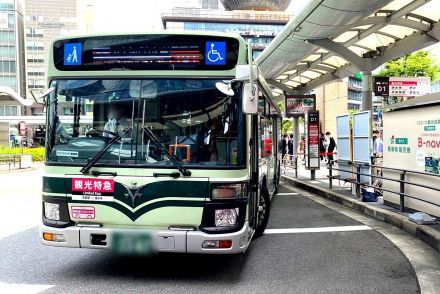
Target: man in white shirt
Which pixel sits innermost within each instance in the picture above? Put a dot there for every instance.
(115, 124)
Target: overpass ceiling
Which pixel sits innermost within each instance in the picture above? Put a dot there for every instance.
(332, 39)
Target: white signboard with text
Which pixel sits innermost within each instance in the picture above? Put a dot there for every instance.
(411, 139)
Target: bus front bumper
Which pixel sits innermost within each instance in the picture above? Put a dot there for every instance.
(164, 240)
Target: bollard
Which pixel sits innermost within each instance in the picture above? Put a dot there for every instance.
(296, 167)
(358, 181)
(402, 191)
(330, 175)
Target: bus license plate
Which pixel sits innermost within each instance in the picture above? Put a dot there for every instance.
(132, 243)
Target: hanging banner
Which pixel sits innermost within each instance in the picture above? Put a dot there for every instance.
(402, 86)
(298, 105)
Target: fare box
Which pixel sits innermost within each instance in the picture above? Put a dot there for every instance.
(89, 189)
(83, 212)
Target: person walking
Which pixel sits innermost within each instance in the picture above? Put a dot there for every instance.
(331, 147)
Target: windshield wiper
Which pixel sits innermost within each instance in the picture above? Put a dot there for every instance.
(184, 171)
(91, 163)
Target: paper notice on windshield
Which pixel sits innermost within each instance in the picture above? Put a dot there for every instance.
(92, 189)
(67, 153)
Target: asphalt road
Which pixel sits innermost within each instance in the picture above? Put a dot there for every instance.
(300, 261)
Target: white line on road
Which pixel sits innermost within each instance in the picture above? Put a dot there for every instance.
(317, 230)
(286, 194)
(23, 288)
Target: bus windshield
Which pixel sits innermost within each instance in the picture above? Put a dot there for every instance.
(198, 124)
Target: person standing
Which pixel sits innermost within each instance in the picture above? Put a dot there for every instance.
(331, 147)
(284, 146)
(290, 146)
(322, 146)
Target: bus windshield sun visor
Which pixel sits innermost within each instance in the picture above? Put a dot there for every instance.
(91, 163)
(184, 171)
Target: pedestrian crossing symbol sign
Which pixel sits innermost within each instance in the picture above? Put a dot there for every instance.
(72, 53)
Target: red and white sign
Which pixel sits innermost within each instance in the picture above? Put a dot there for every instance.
(409, 86)
(83, 212)
(22, 127)
(92, 189)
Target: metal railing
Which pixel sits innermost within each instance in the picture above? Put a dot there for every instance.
(9, 159)
(402, 180)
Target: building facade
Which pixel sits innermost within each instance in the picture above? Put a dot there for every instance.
(338, 98)
(260, 27)
(12, 65)
(45, 20)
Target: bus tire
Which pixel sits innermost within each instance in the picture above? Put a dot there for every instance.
(263, 215)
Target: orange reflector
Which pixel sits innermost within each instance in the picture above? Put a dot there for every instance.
(48, 236)
(225, 244)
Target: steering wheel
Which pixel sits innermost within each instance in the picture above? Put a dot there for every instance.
(95, 133)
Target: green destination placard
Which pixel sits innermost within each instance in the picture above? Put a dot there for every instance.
(402, 141)
(429, 128)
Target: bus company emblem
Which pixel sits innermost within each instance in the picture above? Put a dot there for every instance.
(134, 192)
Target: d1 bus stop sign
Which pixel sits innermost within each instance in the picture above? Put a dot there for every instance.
(402, 86)
(381, 86)
(312, 140)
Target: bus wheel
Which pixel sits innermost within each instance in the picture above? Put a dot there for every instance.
(264, 211)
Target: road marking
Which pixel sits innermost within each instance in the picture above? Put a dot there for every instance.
(286, 194)
(23, 288)
(317, 230)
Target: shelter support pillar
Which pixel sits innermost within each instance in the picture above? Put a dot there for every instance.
(296, 134)
(367, 91)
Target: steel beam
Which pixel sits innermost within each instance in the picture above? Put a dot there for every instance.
(279, 85)
(403, 22)
(344, 52)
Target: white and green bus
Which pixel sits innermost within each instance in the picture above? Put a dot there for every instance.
(157, 143)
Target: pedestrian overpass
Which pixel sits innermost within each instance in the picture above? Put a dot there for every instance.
(331, 39)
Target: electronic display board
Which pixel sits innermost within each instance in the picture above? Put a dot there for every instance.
(146, 52)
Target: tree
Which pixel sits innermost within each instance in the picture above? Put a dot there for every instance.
(287, 126)
(417, 64)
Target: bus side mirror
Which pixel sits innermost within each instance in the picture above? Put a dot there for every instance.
(250, 99)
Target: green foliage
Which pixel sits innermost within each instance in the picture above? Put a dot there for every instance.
(37, 153)
(287, 126)
(281, 105)
(417, 64)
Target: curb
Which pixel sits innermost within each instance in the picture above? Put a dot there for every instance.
(35, 165)
(425, 233)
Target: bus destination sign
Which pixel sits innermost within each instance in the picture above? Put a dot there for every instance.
(146, 52)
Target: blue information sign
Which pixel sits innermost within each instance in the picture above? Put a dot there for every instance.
(72, 53)
(215, 53)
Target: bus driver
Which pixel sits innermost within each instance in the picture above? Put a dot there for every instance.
(116, 124)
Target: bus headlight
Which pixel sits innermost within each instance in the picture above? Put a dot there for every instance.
(52, 211)
(226, 217)
(220, 191)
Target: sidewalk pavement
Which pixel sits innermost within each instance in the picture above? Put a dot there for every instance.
(342, 194)
(4, 168)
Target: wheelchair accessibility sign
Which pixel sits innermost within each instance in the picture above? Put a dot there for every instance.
(215, 53)
(72, 53)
